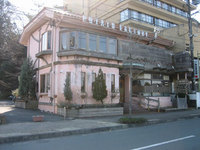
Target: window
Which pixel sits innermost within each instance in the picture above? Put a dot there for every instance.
(93, 79)
(46, 41)
(82, 40)
(44, 83)
(124, 15)
(134, 15)
(104, 76)
(72, 40)
(68, 75)
(92, 42)
(102, 44)
(83, 82)
(112, 46)
(112, 83)
(63, 41)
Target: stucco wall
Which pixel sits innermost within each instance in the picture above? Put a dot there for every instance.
(76, 82)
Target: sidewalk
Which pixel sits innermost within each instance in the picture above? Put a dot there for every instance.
(16, 132)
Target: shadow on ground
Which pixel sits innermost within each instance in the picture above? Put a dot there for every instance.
(19, 115)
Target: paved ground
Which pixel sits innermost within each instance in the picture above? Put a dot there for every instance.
(179, 135)
(18, 115)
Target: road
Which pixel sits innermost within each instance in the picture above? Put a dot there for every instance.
(179, 135)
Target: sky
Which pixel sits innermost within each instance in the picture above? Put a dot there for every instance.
(31, 7)
(34, 6)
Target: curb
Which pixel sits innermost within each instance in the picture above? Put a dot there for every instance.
(29, 137)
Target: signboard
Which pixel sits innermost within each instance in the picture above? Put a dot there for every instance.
(196, 69)
(114, 26)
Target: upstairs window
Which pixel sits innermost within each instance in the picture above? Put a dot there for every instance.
(102, 44)
(72, 39)
(112, 46)
(46, 41)
(82, 40)
(92, 42)
(124, 15)
(64, 41)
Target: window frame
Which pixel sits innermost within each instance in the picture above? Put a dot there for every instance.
(46, 43)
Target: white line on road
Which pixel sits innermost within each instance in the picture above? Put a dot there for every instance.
(167, 142)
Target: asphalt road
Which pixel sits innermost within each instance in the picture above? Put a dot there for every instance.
(179, 135)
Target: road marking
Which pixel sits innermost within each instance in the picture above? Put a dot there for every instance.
(167, 142)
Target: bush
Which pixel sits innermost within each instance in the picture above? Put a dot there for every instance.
(128, 120)
(99, 87)
(67, 89)
(27, 81)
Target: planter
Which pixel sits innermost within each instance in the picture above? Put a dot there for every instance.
(20, 104)
(91, 112)
(38, 118)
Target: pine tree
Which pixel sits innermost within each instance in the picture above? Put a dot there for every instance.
(67, 89)
(99, 87)
(27, 81)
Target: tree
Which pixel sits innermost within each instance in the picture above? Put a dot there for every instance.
(67, 89)
(99, 87)
(12, 53)
(27, 81)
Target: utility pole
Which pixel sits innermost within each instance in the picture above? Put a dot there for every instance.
(191, 42)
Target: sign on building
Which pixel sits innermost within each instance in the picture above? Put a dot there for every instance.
(196, 69)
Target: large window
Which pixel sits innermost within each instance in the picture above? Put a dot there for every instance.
(167, 7)
(112, 46)
(102, 44)
(72, 39)
(92, 42)
(82, 40)
(83, 82)
(149, 19)
(124, 15)
(46, 41)
(87, 41)
(44, 83)
(63, 41)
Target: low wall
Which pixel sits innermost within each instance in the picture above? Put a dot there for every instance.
(26, 105)
(91, 112)
(20, 104)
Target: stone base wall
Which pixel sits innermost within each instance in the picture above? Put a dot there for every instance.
(91, 112)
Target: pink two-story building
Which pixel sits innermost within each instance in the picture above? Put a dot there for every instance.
(63, 44)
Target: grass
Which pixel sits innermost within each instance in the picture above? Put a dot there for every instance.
(129, 120)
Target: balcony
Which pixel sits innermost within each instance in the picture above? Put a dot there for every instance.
(42, 53)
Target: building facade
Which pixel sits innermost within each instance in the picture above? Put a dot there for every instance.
(63, 44)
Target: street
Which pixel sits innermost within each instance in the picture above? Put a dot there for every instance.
(179, 135)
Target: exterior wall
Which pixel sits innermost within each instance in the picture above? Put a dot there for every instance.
(76, 82)
(110, 11)
(179, 35)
